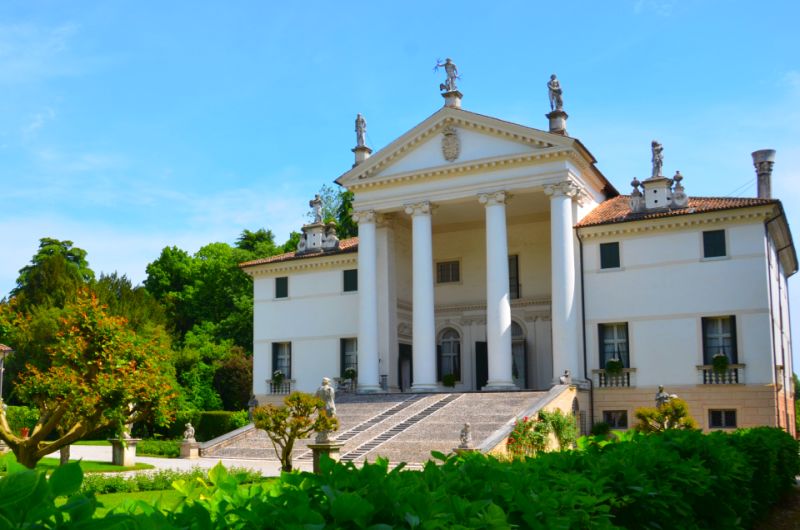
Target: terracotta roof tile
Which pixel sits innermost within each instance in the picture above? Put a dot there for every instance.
(345, 245)
(618, 210)
(4, 348)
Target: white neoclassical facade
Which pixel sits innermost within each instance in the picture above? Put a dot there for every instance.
(494, 256)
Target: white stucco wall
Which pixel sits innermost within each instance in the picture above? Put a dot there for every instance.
(314, 317)
(664, 287)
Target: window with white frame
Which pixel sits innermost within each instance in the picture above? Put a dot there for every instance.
(721, 419)
(616, 419)
(349, 353)
(448, 272)
(450, 354)
(719, 337)
(282, 358)
(614, 343)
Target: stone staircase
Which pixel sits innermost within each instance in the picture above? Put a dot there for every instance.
(400, 427)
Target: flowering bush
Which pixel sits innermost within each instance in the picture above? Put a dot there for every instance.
(530, 436)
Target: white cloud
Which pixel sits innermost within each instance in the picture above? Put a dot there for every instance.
(37, 121)
(30, 53)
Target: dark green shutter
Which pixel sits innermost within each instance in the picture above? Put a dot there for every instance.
(341, 356)
(274, 359)
(714, 244)
(601, 336)
(438, 362)
(733, 355)
(282, 287)
(609, 255)
(351, 280)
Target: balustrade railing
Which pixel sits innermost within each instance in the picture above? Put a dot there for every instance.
(623, 379)
(733, 375)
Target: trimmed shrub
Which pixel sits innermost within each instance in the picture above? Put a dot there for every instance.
(167, 448)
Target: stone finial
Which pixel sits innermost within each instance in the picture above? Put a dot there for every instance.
(764, 160)
(679, 197)
(565, 379)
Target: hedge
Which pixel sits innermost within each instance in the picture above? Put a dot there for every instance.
(208, 424)
(675, 480)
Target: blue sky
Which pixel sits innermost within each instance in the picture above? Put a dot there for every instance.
(129, 126)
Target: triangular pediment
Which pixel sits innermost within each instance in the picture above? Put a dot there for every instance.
(452, 137)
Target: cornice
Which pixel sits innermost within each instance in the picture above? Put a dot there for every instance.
(304, 264)
(472, 166)
(675, 222)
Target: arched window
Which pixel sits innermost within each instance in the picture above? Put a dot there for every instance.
(449, 351)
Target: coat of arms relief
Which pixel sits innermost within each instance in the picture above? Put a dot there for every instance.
(451, 145)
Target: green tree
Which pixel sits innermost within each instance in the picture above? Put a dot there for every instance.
(100, 374)
(233, 379)
(260, 243)
(139, 307)
(345, 226)
(301, 415)
(674, 414)
(291, 243)
(54, 275)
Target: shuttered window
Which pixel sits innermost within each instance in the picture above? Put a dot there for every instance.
(350, 280)
(448, 272)
(282, 287)
(609, 255)
(714, 244)
(719, 336)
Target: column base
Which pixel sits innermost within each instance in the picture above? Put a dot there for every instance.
(369, 389)
(499, 386)
(424, 388)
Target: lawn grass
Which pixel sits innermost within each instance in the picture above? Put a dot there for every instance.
(169, 499)
(48, 464)
(103, 443)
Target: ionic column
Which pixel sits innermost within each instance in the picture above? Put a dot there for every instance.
(368, 369)
(498, 303)
(424, 326)
(563, 303)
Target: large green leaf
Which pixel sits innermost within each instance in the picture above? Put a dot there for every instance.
(66, 479)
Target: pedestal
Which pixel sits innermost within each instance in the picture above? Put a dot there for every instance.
(452, 99)
(123, 451)
(558, 122)
(190, 450)
(326, 448)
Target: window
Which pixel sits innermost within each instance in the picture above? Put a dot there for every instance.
(349, 355)
(350, 280)
(719, 336)
(513, 277)
(616, 419)
(609, 255)
(282, 287)
(714, 244)
(721, 419)
(282, 358)
(449, 353)
(448, 272)
(614, 343)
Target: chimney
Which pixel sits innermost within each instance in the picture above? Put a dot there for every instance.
(763, 160)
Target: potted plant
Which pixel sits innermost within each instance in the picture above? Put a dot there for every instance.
(614, 366)
(277, 378)
(449, 380)
(720, 363)
(350, 374)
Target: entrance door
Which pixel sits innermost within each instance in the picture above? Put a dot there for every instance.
(405, 368)
(481, 365)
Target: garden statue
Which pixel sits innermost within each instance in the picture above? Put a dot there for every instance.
(361, 131)
(466, 437)
(188, 434)
(251, 406)
(449, 84)
(565, 379)
(327, 394)
(658, 158)
(555, 92)
(662, 398)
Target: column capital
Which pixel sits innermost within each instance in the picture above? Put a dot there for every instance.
(566, 188)
(493, 198)
(364, 216)
(419, 208)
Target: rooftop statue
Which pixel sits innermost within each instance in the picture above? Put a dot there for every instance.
(449, 84)
(361, 131)
(555, 92)
(658, 158)
(316, 204)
